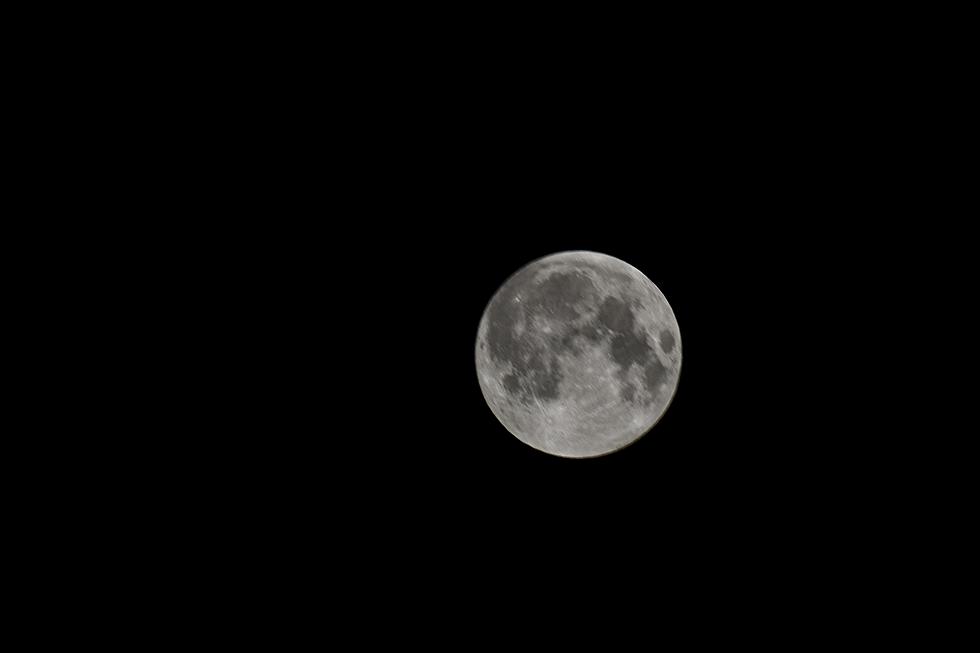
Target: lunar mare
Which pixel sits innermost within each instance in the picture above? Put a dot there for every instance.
(578, 354)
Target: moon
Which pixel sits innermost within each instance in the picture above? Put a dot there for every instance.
(578, 354)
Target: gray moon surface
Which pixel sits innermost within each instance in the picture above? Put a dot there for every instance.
(578, 354)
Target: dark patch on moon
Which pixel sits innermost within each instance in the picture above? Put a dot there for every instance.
(547, 385)
(626, 346)
(615, 315)
(666, 341)
(654, 374)
(542, 377)
(569, 341)
(589, 332)
(558, 295)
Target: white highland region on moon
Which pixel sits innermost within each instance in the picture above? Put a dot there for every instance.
(578, 354)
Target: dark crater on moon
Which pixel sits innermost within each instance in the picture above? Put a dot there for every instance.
(570, 302)
(558, 295)
(626, 347)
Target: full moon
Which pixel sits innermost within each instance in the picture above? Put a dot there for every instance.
(578, 354)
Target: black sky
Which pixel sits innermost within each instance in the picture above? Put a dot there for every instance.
(366, 262)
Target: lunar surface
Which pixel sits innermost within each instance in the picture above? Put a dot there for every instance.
(578, 354)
